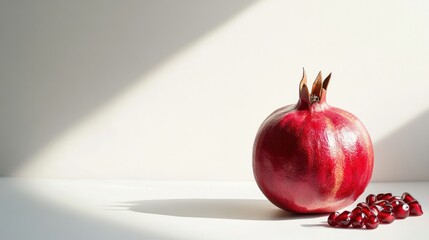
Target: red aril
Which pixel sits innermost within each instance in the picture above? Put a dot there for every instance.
(332, 219)
(372, 222)
(371, 199)
(344, 219)
(382, 203)
(402, 211)
(407, 197)
(396, 202)
(384, 196)
(393, 198)
(310, 157)
(375, 209)
(388, 207)
(358, 220)
(385, 210)
(386, 216)
(367, 211)
(415, 208)
(362, 205)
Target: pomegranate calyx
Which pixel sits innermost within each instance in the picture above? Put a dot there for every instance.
(318, 90)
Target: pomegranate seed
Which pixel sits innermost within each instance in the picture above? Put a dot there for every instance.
(402, 211)
(358, 220)
(375, 209)
(386, 216)
(371, 222)
(388, 207)
(371, 199)
(407, 197)
(415, 208)
(381, 203)
(332, 221)
(356, 210)
(394, 198)
(385, 196)
(344, 219)
(396, 202)
(367, 211)
(362, 204)
(378, 197)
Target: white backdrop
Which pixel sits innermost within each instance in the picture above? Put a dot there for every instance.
(177, 89)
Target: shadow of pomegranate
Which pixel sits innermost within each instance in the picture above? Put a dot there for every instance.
(240, 209)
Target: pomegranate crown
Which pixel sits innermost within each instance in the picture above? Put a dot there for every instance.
(318, 91)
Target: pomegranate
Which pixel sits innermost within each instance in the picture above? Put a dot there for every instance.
(310, 157)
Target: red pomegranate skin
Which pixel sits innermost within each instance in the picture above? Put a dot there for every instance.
(310, 157)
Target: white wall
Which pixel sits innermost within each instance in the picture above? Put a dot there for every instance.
(169, 90)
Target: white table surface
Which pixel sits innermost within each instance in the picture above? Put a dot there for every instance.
(88, 209)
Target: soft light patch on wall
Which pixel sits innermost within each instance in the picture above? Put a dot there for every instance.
(195, 116)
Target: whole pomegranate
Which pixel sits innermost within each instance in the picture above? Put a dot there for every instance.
(310, 157)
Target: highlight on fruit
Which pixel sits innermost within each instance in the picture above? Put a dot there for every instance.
(310, 157)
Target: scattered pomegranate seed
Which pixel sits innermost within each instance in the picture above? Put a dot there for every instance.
(381, 202)
(367, 211)
(381, 208)
(371, 199)
(375, 209)
(385, 196)
(372, 222)
(378, 197)
(359, 220)
(402, 211)
(362, 204)
(332, 219)
(356, 211)
(386, 216)
(396, 202)
(415, 208)
(388, 207)
(394, 198)
(344, 219)
(407, 197)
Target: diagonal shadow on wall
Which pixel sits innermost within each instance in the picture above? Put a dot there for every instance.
(61, 60)
(403, 153)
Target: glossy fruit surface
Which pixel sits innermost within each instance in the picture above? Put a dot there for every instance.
(310, 157)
